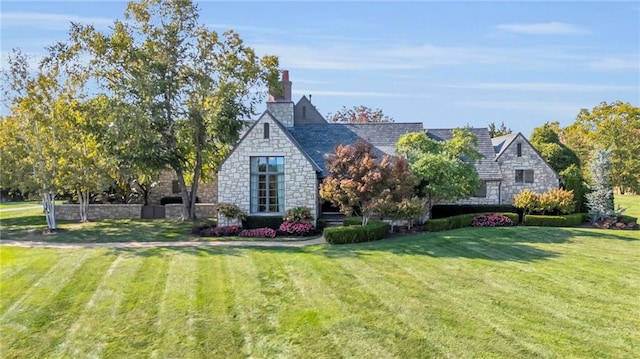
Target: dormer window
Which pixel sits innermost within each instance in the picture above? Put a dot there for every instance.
(519, 149)
(266, 131)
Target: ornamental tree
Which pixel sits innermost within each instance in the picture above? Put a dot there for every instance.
(358, 181)
(444, 169)
(185, 89)
(359, 114)
(600, 199)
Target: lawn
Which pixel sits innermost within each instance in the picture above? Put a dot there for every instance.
(490, 292)
(631, 203)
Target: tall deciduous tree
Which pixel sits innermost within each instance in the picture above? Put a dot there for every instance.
(495, 131)
(359, 114)
(613, 125)
(444, 169)
(190, 87)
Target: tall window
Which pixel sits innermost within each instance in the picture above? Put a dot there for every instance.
(524, 176)
(519, 149)
(267, 184)
(266, 131)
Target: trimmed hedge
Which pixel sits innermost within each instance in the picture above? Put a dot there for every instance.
(443, 224)
(627, 219)
(373, 231)
(255, 222)
(514, 217)
(443, 211)
(569, 220)
(352, 221)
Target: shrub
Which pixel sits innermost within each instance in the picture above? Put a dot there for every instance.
(298, 214)
(627, 219)
(352, 221)
(514, 217)
(526, 200)
(443, 211)
(258, 233)
(372, 231)
(296, 228)
(556, 201)
(211, 231)
(569, 220)
(253, 222)
(321, 223)
(491, 220)
(443, 224)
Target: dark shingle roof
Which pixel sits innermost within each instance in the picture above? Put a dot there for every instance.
(500, 143)
(487, 167)
(320, 140)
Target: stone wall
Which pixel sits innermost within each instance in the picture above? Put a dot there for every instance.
(544, 177)
(301, 185)
(207, 191)
(71, 212)
(203, 210)
(493, 196)
(282, 111)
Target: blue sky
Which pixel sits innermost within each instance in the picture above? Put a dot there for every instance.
(446, 64)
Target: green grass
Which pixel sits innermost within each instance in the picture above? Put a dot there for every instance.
(513, 292)
(630, 202)
(8, 205)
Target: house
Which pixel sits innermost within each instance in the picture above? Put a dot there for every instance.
(279, 162)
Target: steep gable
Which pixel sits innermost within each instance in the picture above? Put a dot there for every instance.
(305, 113)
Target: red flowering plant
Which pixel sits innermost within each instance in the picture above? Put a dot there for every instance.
(297, 222)
(225, 231)
(258, 233)
(491, 220)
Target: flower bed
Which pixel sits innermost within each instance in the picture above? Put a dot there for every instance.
(491, 220)
(258, 233)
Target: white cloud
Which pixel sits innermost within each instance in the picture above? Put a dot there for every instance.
(548, 28)
(615, 64)
(48, 21)
(543, 87)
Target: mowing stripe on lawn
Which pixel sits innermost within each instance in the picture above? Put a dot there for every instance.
(175, 317)
(133, 332)
(258, 325)
(85, 338)
(317, 311)
(48, 319)
(48, 284)
(218, 333)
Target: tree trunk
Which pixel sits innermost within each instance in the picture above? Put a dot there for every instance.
(83, 199)
(184, 193)
(49, 209)
(194, 185)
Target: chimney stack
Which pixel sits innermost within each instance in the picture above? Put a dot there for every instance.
(280, 105)
(285, 96)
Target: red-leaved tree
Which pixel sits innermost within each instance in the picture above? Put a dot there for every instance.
(357, 180)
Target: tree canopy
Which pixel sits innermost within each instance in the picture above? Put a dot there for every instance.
(495, 131)
(181, 91)
(613, 125)
(444, 169)
(359, 114)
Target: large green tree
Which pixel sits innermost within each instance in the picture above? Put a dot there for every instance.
(190, 87)
(444, 169)
(613, 125)
(496, 131)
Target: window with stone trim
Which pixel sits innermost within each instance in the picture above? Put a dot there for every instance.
(524, 176)
(267, 184)
(482, 190)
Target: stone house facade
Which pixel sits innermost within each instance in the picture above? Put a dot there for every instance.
(279, 162)
(522, 167)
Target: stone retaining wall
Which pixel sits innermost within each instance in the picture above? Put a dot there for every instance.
(203, 210)
(71, 212)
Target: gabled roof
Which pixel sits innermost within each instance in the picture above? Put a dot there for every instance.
(286, 133)
(487, 167)
(500, 143)
(305, 113)
(319, 140)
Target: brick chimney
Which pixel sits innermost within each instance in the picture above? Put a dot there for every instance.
(280, 105)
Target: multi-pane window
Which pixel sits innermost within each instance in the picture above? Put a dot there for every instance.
(482, 190)
(524, 176)
(267, 184)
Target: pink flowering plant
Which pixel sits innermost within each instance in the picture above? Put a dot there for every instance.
(491, 220)
(225, 231)
(258, 233)
(296, 228)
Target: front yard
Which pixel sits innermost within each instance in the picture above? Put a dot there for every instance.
(495, 292)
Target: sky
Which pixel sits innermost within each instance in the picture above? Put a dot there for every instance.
(445, 64)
